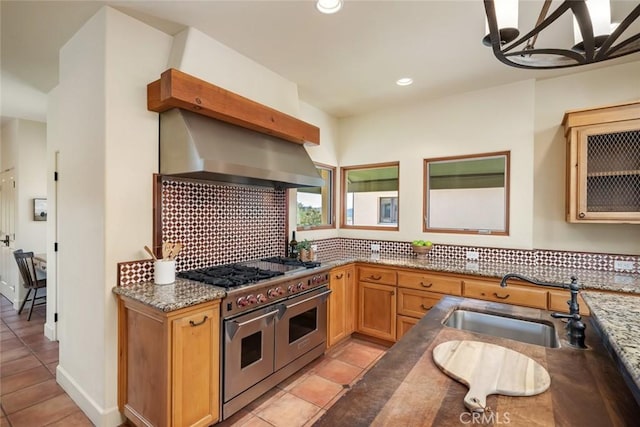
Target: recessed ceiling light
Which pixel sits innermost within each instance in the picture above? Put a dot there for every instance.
(405, 81)
(329, 6)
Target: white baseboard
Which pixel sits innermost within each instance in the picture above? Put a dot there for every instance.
(50, 331)
(99, 416)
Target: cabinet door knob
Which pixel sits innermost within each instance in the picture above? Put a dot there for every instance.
(426, 286)
(495, 294)
(339, 276)
(375, 277)
(425, 307)
(581, 215)
(192, 323)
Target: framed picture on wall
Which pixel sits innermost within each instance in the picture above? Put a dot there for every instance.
(39, 209)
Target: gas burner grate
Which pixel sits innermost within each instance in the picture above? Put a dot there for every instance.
(292, 262)
(229, 276)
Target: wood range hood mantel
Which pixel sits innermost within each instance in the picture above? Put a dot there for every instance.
(176, 89)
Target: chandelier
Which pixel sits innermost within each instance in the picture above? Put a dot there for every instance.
(595, 41)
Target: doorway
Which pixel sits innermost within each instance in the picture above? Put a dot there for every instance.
(9, 283)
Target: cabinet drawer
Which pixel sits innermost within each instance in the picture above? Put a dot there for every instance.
(430, 282)
(558, 302)
(416, 303)
(404, 323)
(512, 294)
(377, 275)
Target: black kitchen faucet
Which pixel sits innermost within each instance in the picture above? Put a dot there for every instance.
(575, 326)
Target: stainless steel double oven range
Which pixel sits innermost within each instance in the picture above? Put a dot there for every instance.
(274, 321)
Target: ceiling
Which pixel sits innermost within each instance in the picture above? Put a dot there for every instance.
(345, 64)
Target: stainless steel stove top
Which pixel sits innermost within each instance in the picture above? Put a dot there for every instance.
(256, 283)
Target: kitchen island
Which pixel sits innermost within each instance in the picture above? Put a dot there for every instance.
(406, 387)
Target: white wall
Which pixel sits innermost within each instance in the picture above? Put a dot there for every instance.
(20, 100)
(604, 86)
(494, 119)
(108, 145)
(31, 182)
(195, 53)
(325, 153)
(9, 145)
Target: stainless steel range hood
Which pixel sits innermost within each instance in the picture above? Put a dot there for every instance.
(199, 147)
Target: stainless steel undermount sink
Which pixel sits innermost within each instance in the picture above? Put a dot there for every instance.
(527, 331)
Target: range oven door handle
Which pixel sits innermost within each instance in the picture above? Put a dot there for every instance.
(234, 326)
(284, 307)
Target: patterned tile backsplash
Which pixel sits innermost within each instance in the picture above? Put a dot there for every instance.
(221, 224)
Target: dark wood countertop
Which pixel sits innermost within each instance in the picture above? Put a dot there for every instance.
(406, 388)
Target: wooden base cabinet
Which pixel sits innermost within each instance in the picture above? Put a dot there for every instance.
(558, 302)
(404, 324)
(169, 364)
(342, 304)
(416, 303)
(512, 294)
(377, 310)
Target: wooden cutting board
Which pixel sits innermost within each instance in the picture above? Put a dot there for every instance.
(490, 369)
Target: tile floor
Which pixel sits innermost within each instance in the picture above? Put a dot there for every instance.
(29, 394)
(304, 397)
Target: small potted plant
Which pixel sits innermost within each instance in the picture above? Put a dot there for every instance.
(421, 247)
(304, 250)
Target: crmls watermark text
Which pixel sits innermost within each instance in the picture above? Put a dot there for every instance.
(485, 418)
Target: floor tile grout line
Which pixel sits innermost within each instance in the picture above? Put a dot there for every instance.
(44, 365)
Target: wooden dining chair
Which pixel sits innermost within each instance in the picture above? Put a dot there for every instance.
(32, 279)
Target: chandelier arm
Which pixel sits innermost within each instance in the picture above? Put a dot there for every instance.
(550, 51)
(606, 50)
(620, 47)
(581, 14)
(548, 21)
(543, 13)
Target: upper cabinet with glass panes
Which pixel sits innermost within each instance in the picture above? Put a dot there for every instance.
(370, 196)
(603, 164)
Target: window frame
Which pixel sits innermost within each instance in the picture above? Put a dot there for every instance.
(392, 202)
(343, 197)
(332, 200)
(507, 186)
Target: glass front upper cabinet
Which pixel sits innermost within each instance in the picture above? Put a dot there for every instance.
(370, 196)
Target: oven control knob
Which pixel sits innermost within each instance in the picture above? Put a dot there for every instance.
(251, 300)
(242, 302)
(274, 292)
(301, 286)
(291, 289)
(261, 298)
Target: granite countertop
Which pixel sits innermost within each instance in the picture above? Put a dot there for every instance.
(617, 317)
(180, 294)
(588, 279)
(184, 293)
(406, 387)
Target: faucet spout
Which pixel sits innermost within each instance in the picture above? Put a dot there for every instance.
(503, 282)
